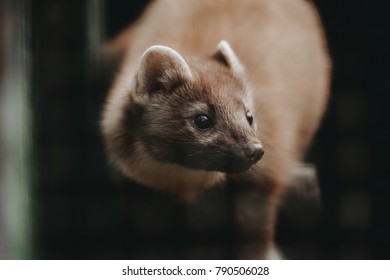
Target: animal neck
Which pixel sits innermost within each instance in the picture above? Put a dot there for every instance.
(184, 182)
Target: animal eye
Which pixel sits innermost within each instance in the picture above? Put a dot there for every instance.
(203, 121)
(249, 117)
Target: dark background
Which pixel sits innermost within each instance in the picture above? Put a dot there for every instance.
(352, 144)
(79, 214)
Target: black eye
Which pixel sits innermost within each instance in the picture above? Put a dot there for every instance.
(203, 121)
(249, 117)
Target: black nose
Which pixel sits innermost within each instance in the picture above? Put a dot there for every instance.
(254, 152)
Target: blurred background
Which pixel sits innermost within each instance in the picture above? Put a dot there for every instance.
(59, 199)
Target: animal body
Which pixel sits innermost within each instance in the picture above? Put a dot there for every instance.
(210, 92)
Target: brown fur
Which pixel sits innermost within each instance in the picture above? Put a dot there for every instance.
(284, 84)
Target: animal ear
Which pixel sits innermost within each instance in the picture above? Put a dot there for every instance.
(162, 68)
(226, 56)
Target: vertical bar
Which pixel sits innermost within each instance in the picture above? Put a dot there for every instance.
(94, 31)
(15, 136)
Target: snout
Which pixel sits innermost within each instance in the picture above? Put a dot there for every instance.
(245, 157)
(253, 153)
(228, 159)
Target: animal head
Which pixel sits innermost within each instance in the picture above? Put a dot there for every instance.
(195, 113)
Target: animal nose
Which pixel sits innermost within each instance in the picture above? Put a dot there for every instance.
(254, 152)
